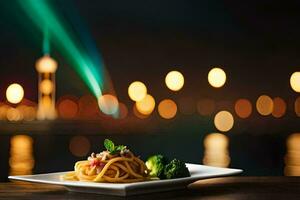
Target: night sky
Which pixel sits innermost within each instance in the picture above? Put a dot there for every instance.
(255, 42)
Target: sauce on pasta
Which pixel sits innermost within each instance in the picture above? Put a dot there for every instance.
(120, 167)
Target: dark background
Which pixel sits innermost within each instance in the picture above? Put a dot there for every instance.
(255, 42)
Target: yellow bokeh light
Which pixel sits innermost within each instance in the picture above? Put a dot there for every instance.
(224, 121)
(46, 64)
(216, 150)
(46, 102)
(167, 109)
(264, 105)
(295, 81)
(146, 105)
(46, 86)
(243, 108)
(297, 106)
(216, 77)
(14, 93)
(138, 114)
(174, 80)
(216, 141)
(108, 104)
(279, 107)
(137, 91)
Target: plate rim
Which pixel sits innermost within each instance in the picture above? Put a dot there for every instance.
(126, 186)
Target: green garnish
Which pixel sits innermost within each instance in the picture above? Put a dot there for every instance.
(156, 165)
(159, 167)
(112, 148)
(176, 169)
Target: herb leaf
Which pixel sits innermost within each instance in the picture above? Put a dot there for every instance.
(120, 147)
(109, 145)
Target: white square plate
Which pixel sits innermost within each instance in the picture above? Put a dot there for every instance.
(198, 172)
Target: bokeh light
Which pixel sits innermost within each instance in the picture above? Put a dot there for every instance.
(167, 109)
(187, 105)
(295, 81)
(243, 108)
(88, 107)
(264, 105)
(21, 159)
(279, 107)
(13, 114)
(224, 121)
(79, 146)
(138, 114)
(216, 150)
(68, 108)
(146, 105)
(46, 64)
(292, 157)
(206, 107)
(297, 106)
(123, 111)
(108, 104)
(137, 91)
(46, 102)
(3, 111)
(174, 80)
(216, 77)
(29, 112)
(14, 93)
(46, 86)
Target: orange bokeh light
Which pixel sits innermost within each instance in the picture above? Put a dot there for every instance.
(279, 107)
(21, 159)
(167, 109)
(14, 114)
(68, 108)
(79, 146)
(264, 105)
(243, 108)
(292, 157)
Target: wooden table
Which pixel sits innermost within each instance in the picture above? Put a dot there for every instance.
(273, 188)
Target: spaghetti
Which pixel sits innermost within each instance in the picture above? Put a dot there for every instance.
(120, 167)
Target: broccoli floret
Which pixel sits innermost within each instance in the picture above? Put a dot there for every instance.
(176, 169)
(156, 165)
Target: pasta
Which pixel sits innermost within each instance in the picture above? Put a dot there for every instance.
(120, 167)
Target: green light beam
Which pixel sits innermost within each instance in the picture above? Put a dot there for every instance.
(43, 16)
